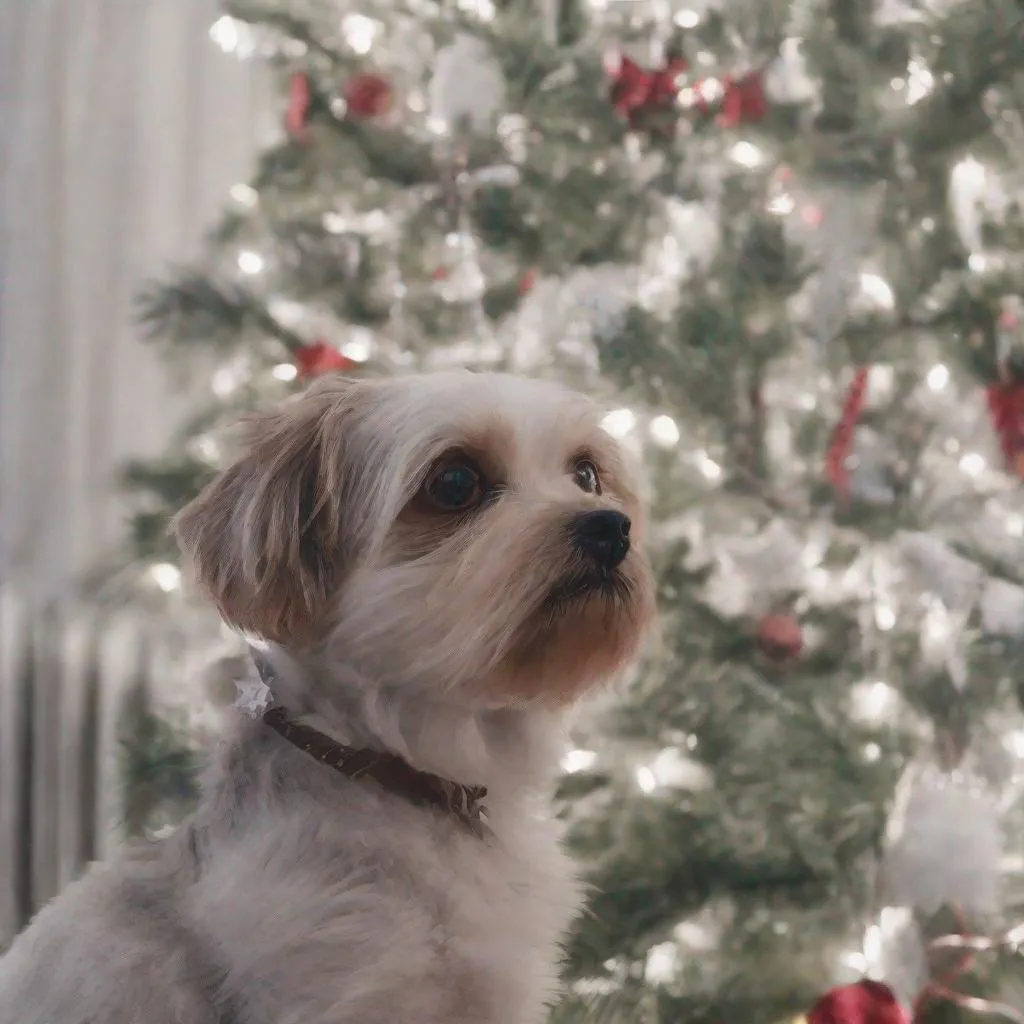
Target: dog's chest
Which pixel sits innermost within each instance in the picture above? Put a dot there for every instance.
(507, 908)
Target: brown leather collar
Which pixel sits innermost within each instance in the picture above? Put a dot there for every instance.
(389, 771)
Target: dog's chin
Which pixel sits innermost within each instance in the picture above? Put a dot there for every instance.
(586, 628)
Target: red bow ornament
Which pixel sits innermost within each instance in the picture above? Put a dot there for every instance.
(744, 101)
(1006, 410)
(313, 360)
(636, 93)
(866, 1002)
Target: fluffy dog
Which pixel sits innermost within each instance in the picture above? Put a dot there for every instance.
(439, 565)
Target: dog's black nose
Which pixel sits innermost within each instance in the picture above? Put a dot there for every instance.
(602, 536)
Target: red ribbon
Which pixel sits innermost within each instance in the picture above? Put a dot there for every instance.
(866, 1002)
(842, 438)
(636, 91)
(1006, 411)
(299, 99)
(744, 101)
(319, 357)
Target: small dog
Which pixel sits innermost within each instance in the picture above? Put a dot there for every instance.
(439, 565)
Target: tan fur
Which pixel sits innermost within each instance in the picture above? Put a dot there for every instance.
(296, 896)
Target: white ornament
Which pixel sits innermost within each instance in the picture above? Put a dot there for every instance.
(254, 696)
(945, 843)
(467, 85)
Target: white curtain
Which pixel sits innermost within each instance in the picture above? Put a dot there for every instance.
(121, 129)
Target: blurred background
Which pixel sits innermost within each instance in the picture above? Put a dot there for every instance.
(780, 239)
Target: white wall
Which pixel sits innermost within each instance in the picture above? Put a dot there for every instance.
(121, 128)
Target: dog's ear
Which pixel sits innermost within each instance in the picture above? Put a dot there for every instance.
(266, 537)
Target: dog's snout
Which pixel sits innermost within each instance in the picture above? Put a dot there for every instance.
(602, 536)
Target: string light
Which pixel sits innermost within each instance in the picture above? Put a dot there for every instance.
(244, 195)
(876, 288)
(746, 154)
(358, 350)
(885, 618)
(285, 371)
(578, 761)
(250, 262)
(664, 431)
(646, 779)
(972, 463)
(707, 465)
(687, 18)
(873, 701)
(232, 36)
(619, 422)
(360, 32)
(938, 377)
(166, 576)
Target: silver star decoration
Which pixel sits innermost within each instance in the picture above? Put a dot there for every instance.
(254, 696)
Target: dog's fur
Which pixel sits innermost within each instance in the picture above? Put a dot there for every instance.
(295, 895)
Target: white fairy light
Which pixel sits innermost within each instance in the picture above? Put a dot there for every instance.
(232, 36)
(360, 32)
(872, 752)
(578, 761)
(873, 702)
(885, 617)
(358, 350)
(876, 288)
(977, 262)
(782, 205)
(1014, 743)
(662, 963)
(285, 371)
(746, 154)
(646, 779)
(619, 422)
(687, 18)
(920, 81)
(208, 448)
(244, 195)
(250, 262)
(938, 377)
(166, 576)
(664, 431)
(973, 463)
(227, 379)
(707, 465)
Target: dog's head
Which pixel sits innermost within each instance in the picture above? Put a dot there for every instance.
(478, 535)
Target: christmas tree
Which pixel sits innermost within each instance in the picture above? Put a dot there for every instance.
(783, 240)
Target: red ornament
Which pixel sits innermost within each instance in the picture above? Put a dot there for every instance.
(744, 101)
(367, 96)
(299, 99)
(313, 360)
(1006, 410)
(866, 1002)
(780, 637)
(842, 438)
(637, 93)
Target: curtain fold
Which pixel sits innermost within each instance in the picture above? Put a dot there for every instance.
(121, 129)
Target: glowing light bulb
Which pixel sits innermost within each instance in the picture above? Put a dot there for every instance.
(687, 19)
(166, 576)
(873, 702)
(746, 154)
(285, 371)
(664, 431)
(938, 377)
(578, 761)
(972, 463)
(244, 195)
(876, 288)
(250, 262)
(707, 465)
(360, 32)
(885, 618)
(646, 779)
(619, 422)
(872, 752)
(358, 350)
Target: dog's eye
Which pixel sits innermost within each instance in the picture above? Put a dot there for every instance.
(585, 474)
(454, 487)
